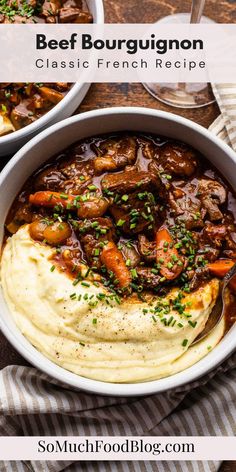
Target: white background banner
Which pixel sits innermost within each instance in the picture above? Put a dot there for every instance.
(118, 448)
(118, 53)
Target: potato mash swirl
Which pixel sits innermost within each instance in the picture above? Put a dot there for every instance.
(85, 330)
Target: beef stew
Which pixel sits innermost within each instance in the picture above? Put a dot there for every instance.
(143, 212)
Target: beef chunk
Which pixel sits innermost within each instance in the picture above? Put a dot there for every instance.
(210, 242)
(147, 248)
(21, 117)
(200, 277)
(229, 253)
(75, 167)
(74, 15)
(115, 155)
(147, 278)
(50, 19)
(50, 8)
(127, 182)
(49, 179)
(137, 214)
(78, 175)
(84, 17)
(149, 150)
(93, 234)
(230, 240)
(214, 234)
(185, 206)
(57, 179)
(207, 253)
(23, 215)
(75, 186)
(71, 259)
(68, 14)
(130, 253)
(212, 194)
(178, 159)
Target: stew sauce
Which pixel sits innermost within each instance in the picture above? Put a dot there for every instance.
(140, 213)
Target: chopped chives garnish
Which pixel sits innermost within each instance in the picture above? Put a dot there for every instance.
(192, 323)
(120, 222)
(134, 273)
(85, 284)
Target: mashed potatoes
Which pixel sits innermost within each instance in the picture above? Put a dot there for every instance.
(82, 329)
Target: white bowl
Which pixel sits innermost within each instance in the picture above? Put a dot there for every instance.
(54, 140)
(13, 141)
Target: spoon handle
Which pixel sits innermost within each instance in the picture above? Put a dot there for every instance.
(218, 310)
(196, 10)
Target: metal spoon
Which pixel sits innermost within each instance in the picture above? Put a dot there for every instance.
(219, 309)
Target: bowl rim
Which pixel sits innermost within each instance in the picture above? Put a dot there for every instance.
(49, 116)
(58, 374)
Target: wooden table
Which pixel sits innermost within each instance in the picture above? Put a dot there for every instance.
(106, 95)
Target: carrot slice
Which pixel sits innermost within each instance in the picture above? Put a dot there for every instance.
(51, 199)
(113, 259)
(221, 267)
(167, 255)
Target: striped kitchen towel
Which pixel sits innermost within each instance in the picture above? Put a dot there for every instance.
(225, 125)
(33, 404)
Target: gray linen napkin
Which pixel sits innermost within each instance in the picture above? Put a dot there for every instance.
(33, 404)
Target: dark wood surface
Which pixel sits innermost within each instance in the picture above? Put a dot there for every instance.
(106, 95)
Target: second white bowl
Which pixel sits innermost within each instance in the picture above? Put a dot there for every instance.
(13, 141)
